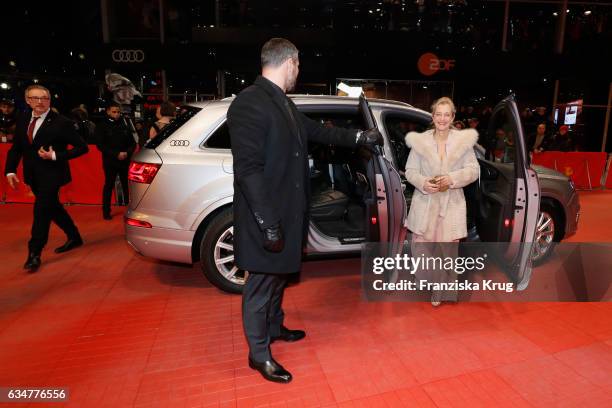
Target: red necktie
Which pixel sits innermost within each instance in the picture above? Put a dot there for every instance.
(31, 129)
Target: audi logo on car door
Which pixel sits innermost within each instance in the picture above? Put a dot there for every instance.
(128, 55)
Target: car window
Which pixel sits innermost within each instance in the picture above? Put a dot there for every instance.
(347, 120)
(220, 139)
(336, 167)
(499, 139)
(397, 126)
(186, 113)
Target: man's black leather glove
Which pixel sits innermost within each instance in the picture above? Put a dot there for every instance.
(274, 241)
(370, 137)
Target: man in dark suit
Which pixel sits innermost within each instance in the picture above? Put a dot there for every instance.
(42, 139)
(269, 138)
(117, 144)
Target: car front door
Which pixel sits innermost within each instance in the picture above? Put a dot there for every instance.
(509, 194)
(385, 203)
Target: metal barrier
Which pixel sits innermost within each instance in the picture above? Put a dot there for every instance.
(586, 169)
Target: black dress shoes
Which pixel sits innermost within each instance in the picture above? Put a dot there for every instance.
(271, 371)
(107, 217)
(70, 244)
(32, 263)
(288, 335)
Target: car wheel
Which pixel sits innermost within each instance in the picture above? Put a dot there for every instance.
(548, 233)
(217, 254)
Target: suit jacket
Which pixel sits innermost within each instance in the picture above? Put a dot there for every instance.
(56, 131)
(112, 137)
(271, 173)
(423, 164)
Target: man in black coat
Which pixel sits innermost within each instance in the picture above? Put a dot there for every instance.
(117, 144)
(269, 138)
(42, 139)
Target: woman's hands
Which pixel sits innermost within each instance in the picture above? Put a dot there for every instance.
(444, 182)
(430, 187)
(438, 184)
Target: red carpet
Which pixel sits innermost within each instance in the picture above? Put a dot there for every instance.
(595, 223)
(120, 330)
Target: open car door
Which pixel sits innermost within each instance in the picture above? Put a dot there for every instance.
(385, 202)
(508, 193)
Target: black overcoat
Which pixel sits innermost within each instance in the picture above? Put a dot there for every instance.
(113, 137)
(271, 173)
(56, 131)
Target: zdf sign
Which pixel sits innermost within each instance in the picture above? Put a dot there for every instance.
(429, 64)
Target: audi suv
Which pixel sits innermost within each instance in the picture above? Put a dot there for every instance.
(181, 187)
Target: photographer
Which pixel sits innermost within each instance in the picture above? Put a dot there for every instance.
(7, 121)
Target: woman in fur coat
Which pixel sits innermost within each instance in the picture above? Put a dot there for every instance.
(440, 164)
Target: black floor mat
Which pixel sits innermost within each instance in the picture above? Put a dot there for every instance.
(351, 226)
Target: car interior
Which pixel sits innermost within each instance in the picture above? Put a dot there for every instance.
(338, 182)
(339, 185)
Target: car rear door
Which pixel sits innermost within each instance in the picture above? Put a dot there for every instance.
(509, 194)
(385, 202)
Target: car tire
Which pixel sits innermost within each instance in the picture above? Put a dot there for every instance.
(215, 248)
(548, 233)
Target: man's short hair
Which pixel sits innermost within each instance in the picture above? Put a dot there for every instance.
(276, 51)
(112, 104)
(36, 86)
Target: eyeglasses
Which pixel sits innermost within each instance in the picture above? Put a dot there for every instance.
(38, 98)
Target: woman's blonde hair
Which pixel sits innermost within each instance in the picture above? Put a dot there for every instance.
(443, 101)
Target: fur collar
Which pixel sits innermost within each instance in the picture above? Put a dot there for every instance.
(460, 140)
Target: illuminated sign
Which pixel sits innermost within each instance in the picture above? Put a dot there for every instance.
(128, 55)
(429, 64)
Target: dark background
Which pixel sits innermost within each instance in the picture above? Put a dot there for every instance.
(208, 49)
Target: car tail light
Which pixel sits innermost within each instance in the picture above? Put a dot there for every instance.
(373, 220)
(138, 223)
(142, 172)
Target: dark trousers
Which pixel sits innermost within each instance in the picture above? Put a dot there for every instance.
(47, 208)
(262, 313)
(111, 170)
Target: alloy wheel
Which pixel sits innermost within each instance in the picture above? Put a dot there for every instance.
(544, 237)
(224, 258)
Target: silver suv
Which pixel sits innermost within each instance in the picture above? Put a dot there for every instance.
(181, 188)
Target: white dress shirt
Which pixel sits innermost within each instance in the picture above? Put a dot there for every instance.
(38, 124)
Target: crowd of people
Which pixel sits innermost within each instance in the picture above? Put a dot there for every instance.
(115, 135)
(542, 134)
(86, 127)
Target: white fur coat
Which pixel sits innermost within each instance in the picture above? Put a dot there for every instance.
(445, 212)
